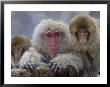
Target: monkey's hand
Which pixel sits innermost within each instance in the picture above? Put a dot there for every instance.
(31, 59)
(62, 61)
(34, 66)
(14, 66)
(28, 66)
(55, 65)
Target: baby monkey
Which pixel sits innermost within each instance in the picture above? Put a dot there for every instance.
(19, 44)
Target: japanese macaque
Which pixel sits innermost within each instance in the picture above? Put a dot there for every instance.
(19, 44)
(50, 49)
(85, 42)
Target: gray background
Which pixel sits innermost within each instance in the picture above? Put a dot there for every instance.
(23, 22)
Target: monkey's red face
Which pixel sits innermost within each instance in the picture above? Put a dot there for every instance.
(53, 41)
(83, 35)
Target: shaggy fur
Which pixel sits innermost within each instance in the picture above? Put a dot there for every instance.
(38, 52)
(22, 41)
(49, 25)
(92, 46)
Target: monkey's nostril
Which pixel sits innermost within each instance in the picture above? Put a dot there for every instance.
(53, 45)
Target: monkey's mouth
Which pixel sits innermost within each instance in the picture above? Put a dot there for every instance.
(53, 51)
(17, 56)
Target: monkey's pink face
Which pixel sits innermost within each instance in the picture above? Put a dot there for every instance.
(83, 35)
(53, 40)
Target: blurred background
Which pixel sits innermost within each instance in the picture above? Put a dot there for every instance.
(23, 22)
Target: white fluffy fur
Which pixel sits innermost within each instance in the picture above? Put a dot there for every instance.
(65, 58)
(69, 59)
(49, 25)
(32, 57)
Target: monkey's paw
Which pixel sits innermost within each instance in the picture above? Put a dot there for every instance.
(55, 66)
(14, 66)
(28, 66)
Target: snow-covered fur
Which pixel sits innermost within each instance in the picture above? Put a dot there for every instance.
(64, 58)
(49, 25)
(69, 59)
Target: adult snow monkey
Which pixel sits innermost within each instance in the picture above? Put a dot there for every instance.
(85, 42)
(19, 45)
(50, 43)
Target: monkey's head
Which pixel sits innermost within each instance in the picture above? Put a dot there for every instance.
(19, 44)
(51, 36)
(83, 31)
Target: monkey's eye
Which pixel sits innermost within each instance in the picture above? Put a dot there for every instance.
(49, 35)
(82, 30)
(18, 47)
(56, 34)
